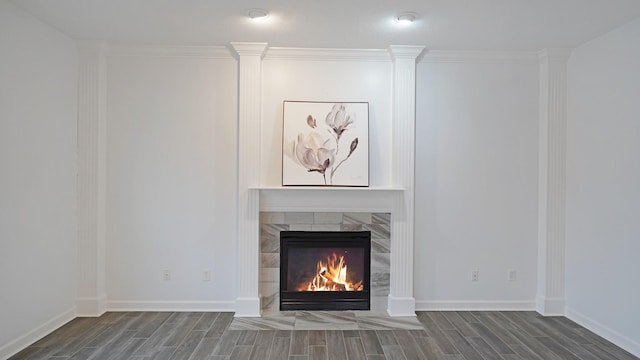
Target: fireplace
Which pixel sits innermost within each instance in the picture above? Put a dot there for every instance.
(325, 270)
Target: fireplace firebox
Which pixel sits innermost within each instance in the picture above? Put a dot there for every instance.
(325, 270)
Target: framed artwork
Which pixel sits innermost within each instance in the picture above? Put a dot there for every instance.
(325, 143)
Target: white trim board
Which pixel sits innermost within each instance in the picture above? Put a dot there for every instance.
(602, 330)
(520, 305)
(210, 306)
(22, 342)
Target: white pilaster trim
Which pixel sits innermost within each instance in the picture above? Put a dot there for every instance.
(91, 185)
(401, 300)
(550, 296)
(249, 120)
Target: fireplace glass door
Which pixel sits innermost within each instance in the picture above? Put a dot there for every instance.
(325, 270)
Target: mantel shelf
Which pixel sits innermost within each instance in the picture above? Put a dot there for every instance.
(326, 198)
(325, 188)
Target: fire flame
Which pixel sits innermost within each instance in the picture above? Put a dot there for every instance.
(332, 276)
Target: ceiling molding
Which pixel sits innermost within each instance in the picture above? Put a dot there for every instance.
(320, 54)
(205, 52)
(484, 57)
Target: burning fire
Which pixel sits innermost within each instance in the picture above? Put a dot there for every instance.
(332, 276)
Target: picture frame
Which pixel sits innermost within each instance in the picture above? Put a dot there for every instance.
(325, 143)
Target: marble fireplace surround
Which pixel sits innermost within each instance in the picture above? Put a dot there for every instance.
(272, 223)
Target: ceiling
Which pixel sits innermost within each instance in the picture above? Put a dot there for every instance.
(441, 25)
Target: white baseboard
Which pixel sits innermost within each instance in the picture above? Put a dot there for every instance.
(550, 306)
(19, 344)
(604, 331)
(208, 306)
(247, 307)
(476, 305)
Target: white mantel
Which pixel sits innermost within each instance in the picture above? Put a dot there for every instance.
(396, 198)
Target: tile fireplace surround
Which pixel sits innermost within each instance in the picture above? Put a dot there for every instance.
(272, 223)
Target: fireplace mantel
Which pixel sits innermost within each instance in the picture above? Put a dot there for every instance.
(327, 199)
(397, 200)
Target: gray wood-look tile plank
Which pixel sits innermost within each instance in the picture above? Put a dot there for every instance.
(463, 345)
(335, 345)
(523, 324)
(152, 325)
(492, 339)
(376, 357)
(459, 323)
(440, 320)
(533, 344)
(129, 348)
(247, 337)
(429, 348)
(500, 331)
(280, 348)
(408, 344)
(206, 321)
(317, 338)
(227, 342)
(220, 324)
(483, 348)
(468, 316)
(182, 330)
(371, 343)
(80, 341)
(188, 346)
(602, 343)
(474, 335)
(318, 353)
(156, 339)
(439, 335)
(299, 343)
(524, 352)
(557, 348)
(265, 337)
(204, 348)
(386, 337)
(355, 350)
(393, 352)
(260, 352)
(241, 352)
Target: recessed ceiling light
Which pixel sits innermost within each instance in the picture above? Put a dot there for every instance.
(406, 18)
(257, 14)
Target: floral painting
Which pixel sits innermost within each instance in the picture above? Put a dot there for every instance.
(325, 144)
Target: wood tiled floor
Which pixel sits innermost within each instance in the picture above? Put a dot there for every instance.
(446, 335)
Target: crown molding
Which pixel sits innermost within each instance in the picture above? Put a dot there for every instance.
(485, 57)
(326, 54)
(178, 51)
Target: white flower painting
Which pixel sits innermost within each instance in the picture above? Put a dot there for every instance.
(325, 144)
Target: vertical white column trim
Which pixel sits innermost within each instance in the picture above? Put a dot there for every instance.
(401, 300)
(249, 119)
(550, 299)
(91, 188)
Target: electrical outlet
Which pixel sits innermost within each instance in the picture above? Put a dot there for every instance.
(206, 275)
(166, 275)
(475, 275)
(512, 275)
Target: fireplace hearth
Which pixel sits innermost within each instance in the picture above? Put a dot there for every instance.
(325, 270)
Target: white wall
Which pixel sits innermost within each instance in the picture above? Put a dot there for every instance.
(476, 182)
(308, 80)
(603, 175)
(171, 181)
(38, 72)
